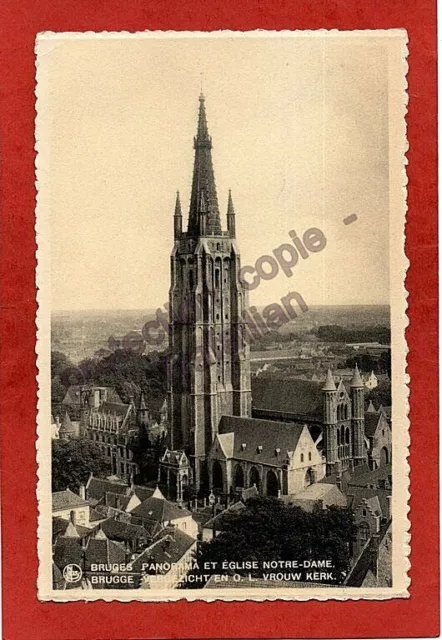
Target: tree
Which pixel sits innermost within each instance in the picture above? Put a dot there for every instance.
(59, 362)
(74, 460)
(270, 530)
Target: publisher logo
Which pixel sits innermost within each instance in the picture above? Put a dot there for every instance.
(72, 573)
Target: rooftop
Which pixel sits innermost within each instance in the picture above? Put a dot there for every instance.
(67, 500)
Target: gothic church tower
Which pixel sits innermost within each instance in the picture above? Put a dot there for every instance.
(209, 369)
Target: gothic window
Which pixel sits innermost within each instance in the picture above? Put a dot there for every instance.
(217, 278)
(310, 455)
(339, 437)
(238, 478)
(302, 457)
(191, 279)
(347, 436)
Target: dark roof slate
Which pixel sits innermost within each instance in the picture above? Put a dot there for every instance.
(66, 499)
(158, 510)
(170, 546)
(256, 433)
(288, 395)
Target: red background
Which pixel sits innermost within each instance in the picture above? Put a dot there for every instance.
(24, 616)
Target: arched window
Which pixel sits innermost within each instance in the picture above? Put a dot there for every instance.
(254, 479)
(238, 477)
(190, 279)
(216, 278)
(347, 435)
(310, 455)
(217, 476)
(338, 437)
(272, 484)
(302, 457)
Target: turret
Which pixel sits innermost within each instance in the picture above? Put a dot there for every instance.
(330, 418)
(231, 217)
(357, 395)
(143, 412)
(177, 218)
(358, 421)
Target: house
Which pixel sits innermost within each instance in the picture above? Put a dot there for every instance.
(67, 505)
(214, 526)
(320, 495)
(158, 510)
(378, 439)
(167, 561)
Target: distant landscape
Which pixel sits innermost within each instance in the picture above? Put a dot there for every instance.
(81, 334)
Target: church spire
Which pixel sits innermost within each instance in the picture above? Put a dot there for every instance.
(204, 211)
(177, 217)
(231, 217)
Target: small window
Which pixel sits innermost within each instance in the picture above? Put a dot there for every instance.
(310, 455)
(259, 448)
(302, 457)
(364, 512)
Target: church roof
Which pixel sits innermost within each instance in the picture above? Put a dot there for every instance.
(257, 440)
(372, 421)
(301, 398)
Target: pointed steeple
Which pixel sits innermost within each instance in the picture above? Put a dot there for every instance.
(204, 211)
(329, 384)
(231, 217)
(356, 381)
(370, 408)
(177, 217)
(143, 405)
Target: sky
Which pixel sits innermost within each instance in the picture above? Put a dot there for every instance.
(300, 130)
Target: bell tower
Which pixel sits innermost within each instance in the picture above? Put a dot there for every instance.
(209, 368)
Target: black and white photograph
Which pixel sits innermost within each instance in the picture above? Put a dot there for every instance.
(221, 347)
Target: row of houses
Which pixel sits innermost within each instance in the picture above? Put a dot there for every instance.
(118, 535)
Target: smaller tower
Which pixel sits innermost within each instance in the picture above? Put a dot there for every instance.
(357, 417)
(330, 420)
(177, 218)
(231, 217)
(143, 413)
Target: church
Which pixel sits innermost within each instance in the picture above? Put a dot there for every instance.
(224, 444)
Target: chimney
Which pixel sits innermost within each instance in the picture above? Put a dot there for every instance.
(82, 492)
